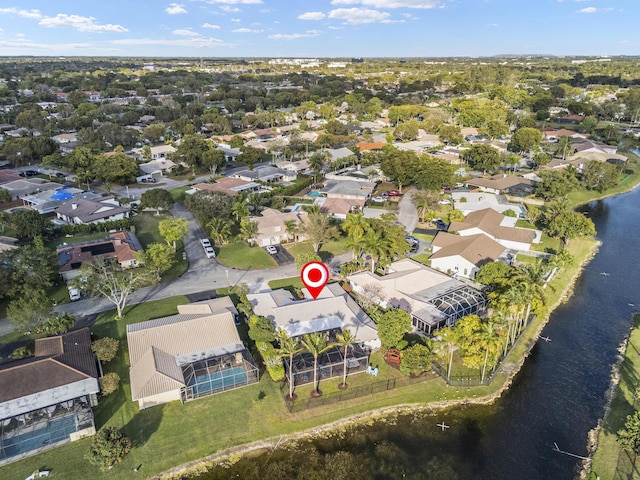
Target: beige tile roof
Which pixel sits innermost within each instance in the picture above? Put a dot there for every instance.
(488, 221)
(499, 182)
(477, 249)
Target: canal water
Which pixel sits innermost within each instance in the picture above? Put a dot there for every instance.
(558, 395)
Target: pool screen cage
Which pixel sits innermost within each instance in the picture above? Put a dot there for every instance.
(459, 303)
(218, 374)
(38, 430)
(330, 364)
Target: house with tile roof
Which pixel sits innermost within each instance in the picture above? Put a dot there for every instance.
(77, 211)
(193, 354)
(119, 246)
(503, 184)
(230, 186)
(463, 256)
(272, 227)
(498, 227)
(46, 400)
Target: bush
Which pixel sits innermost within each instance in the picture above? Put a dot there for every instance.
(109, 447)
(85, 228)
(105, 348)
(109, 383)
(21, 352)
(59, 324)
(510, 213)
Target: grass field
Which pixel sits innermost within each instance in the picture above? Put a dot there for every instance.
(242, 256)
(327, 250)
(609, 460)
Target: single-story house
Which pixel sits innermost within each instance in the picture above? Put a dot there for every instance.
(348, 189)
(463, 256)
(500, 228)
(339, 153)
(121, 246)
(193, 354)
(65, 138)
(98, 210)
(468, 202)
(68, 147)
(49, 200)
(433, 299)
(586, 146)
(157, 167)
(333, 309)
(158, 152)
(230, 186)
(272, 229)
(554, 135)
(340, 207)
(266, 174)
(46, 400)
(297, 167)
(230, 154)
(503, 183)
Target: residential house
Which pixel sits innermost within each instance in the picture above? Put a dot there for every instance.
(119, 246)
(272, 227)
(503, 184)
(65, 138)
(297, 167)
(68, 147)
(230, 154)
(157, 168)
(86, 210)
(266, 174)
(498, 227)
(46, 400)
(49, 200)
(348, 189)
(463, 256)
(468, 202)
(433, 299)
(27, 186)
(191, 355)
(230, 186)
(553, 135)
(572, 119)
(157, 152)
(587, 146)
(339, 153)
(333, 309)
(340, 207)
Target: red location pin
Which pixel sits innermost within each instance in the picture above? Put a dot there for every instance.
(315, 276)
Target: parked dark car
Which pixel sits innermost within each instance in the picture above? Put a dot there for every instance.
(28, 173)
(440, 225)
(61, 175)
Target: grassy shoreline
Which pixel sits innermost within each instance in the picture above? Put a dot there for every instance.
(607, 458)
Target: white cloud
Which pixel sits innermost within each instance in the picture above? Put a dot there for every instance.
(311, 16)
(185, 32)
(228, 9)
(391, 3)
(246, 30)
(358, 16)
(235, 2)
(175, 9)
(21, 13)
(588, 10)
(200, 42)
(294, 36)
(237, 20)
(211, 26)
(82, 24)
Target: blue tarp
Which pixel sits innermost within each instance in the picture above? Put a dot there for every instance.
(60, 195)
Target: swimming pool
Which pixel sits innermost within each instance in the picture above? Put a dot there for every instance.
(313, 194)
(220, 380)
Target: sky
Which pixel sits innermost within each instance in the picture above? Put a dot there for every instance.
(318, 28)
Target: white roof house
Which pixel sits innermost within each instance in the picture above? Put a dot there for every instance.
(332, 309)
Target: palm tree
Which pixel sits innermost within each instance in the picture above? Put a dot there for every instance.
(288, 348)
(490, 340)
(219, 229)
(291, 226)
(374, 244)
(316, 344)
(449, 345)
(248, 229)
(345, 340)
(564, 147)
(240, 209)
(316, 162)
(355, 226)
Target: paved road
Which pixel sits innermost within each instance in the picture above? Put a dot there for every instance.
(407, 213)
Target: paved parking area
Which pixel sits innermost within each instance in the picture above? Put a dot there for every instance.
(283, 257)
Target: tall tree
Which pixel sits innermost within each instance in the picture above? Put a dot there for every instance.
(173, 229)
(319, 229)
(30, 311)
(219, 229)
(289, 347)
(392, 326)
(570, 224)
(345, 340)
(316, 344)
(158, 257)
(157, 198)
(448, 344)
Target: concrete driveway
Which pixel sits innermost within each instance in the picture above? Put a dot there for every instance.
(283, 257)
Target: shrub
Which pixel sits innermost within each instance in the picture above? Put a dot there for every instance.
(59, 324)
(21, 352)
(109, 383)
(109, 447)
(510, 213)
(105, 348)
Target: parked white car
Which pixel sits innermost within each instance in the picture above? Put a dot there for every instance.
(74, 293)
(209, 252)
(205, 242)
(271, 249)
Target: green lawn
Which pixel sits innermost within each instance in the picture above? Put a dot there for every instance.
(288, 283)
(178, 194)
(607, 456)
(424, 237)
(423, 258)
(242, 256)
(327, 250)
(582, 196)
